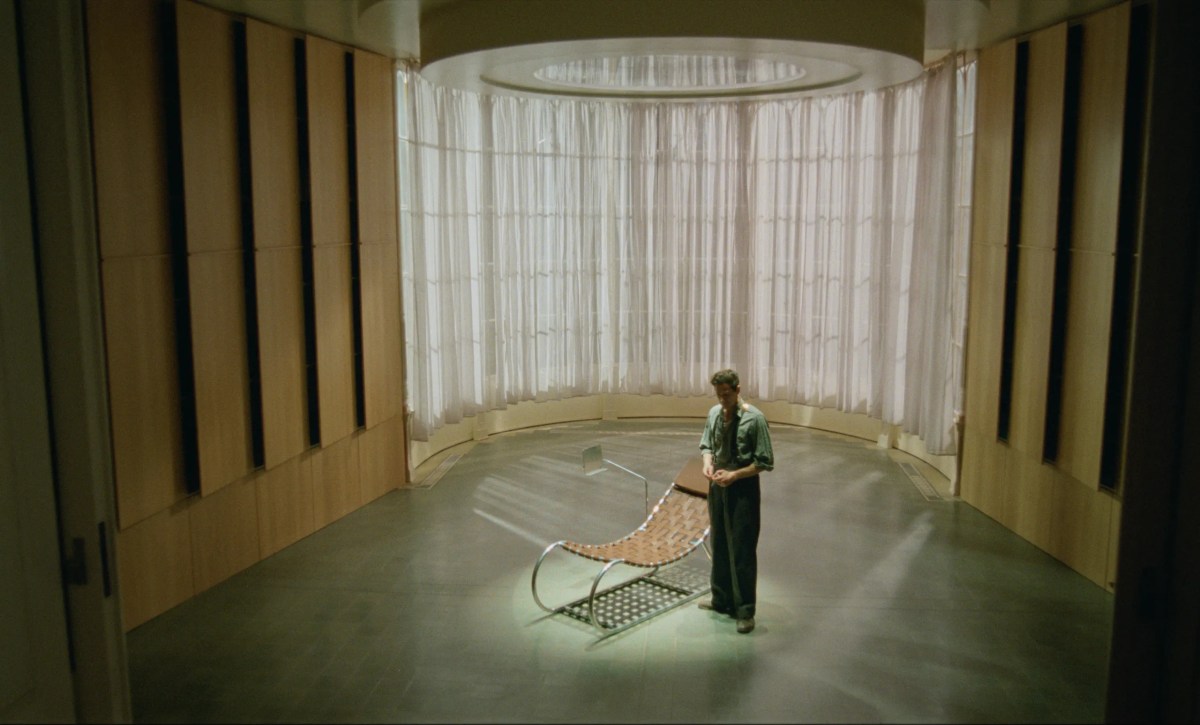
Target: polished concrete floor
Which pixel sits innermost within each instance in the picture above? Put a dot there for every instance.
(877, 602)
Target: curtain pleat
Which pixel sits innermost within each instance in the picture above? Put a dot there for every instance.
(558, 247)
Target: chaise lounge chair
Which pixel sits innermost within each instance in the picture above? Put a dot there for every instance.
(676, 526)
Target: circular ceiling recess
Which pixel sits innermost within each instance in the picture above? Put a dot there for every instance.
(671, 49)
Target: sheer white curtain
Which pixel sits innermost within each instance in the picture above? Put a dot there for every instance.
(562, 247)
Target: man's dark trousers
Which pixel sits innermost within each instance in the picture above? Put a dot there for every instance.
(735, 516)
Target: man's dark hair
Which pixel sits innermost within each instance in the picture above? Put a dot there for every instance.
(725, 377)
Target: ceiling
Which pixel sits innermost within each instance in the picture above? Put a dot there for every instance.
(393, 27)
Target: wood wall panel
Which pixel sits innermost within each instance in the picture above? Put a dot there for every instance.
(984, 472)
(393, 312)
(1101, 130)
(992, 498)
(984, 480)
(221, 369)
(285, 505)
(208, 123)
(393, 321)
(327, 141)
(170, 544)
(1043, 137)
(375, 373)
(1082, 521)
(380, 331)
(1031, 350)
(380, 459)
(971, 478)
(143, 385)
(335, 342)
(281, 349)
(128, 127)
(1038, 238)
(996, 77)
(374, 118)
(154, 559)
(985, 318)
(989, 234)
(1085, 365)
(376, 154)
(224, 533)
(1046, 503)
(1029, 498)
(336, 485)
(274, 155)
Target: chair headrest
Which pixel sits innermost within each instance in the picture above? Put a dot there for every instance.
(691, 477)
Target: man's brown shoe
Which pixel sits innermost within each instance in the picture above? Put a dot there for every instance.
(745, 626)
(706, 604)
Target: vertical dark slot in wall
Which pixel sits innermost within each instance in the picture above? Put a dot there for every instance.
(1062, 249)
(250, 278)
(360, 396)
(306, 245)
(179, 252)
(1016, 183)
(1136, 79)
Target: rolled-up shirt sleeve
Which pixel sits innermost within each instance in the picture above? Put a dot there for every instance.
(707, 445)
(763, 456)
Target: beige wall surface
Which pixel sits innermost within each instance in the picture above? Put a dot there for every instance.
(278, 256)
(173, 545)
(218, 316)
(281, 353)
(274, 150)
(177, 278)
(1057, 505)
(129, 134)
(375, 113)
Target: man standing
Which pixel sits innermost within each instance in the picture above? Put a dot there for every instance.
(736, 446)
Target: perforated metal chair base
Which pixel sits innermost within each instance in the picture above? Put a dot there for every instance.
(630, 603)
(676, 527)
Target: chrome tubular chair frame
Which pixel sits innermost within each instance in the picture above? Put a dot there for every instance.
(677, 526)
(686, 595)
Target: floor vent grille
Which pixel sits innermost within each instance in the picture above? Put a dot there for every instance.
(923, 485)
(436, 474)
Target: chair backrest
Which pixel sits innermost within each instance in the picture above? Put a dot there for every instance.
(691, 477)
(678, 523)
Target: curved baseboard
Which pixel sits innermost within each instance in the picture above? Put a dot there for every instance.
(534, 414)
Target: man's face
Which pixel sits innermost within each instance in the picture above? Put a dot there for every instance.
(727, 396)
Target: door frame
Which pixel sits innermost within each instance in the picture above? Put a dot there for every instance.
(61, 180)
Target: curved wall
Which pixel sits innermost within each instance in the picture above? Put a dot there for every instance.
(613, 407)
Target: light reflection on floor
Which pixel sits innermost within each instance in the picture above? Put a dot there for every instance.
(875, 605)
